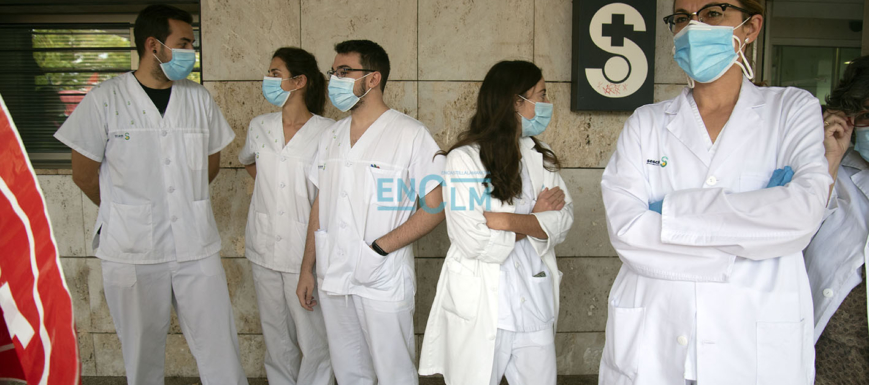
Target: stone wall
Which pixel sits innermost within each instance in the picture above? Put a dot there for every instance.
(440, 51)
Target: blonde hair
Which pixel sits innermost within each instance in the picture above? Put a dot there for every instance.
(754, 7)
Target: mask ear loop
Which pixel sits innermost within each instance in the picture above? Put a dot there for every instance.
(369, 90)
(296, 89)
(745, 65)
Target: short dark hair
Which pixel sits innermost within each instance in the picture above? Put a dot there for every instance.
(153, 21)
(852, 93)
(371, 56)
(301, 62)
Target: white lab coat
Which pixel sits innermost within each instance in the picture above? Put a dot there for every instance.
(366, 192)
(277, 222)
(838, 252)
(720, 273)
(155, 230)
(460, 336)
(297, 351)
(155, 206)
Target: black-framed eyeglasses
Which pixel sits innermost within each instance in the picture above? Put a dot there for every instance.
(858, 120)
(712, 14)
(342, 72)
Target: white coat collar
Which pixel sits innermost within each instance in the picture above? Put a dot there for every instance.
(860, 178)
(134, 87)
(743, 122)
(534, 161)
(854, 160)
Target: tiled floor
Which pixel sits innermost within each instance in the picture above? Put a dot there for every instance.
(562, 380)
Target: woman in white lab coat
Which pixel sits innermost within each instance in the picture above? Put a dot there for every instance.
(497, 297)
(836, 258)
(713, 289)
(278, 153)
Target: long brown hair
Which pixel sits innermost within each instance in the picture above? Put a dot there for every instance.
(494, 127)
(754, 7)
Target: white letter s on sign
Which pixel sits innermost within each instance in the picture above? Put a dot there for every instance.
(624, 73)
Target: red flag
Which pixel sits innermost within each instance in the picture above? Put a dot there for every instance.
(38, 342)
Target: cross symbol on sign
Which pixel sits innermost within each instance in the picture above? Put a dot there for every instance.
(617, 30)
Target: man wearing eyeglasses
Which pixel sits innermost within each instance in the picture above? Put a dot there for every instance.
(371, 170)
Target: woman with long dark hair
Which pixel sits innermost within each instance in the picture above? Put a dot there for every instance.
(836, 258)
(278, 153)
(506, 208)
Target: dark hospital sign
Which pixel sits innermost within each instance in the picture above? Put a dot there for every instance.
(613, 55)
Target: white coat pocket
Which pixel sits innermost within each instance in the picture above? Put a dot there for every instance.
(373, 270)
(779, 353)
(264, 241)
(296, 234)
(388, 188)
(624, 334)
(752, 182)
(129, 229)
(203, 219)
(194, 147)
(462, 294)
(544, 300)
(384, 208)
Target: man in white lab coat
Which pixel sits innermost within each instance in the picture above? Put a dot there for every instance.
(713, 289)
(145, 146)
(371, 169)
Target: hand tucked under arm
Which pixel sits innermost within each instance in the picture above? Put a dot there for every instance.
(422, 222)
(86, 175)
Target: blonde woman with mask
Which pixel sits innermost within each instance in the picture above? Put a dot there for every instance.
(710, 198)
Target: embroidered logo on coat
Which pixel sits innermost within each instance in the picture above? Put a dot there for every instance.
(662, 162)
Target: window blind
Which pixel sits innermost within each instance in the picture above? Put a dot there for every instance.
(48, 68)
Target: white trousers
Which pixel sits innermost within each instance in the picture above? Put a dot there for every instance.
(140, 298)
(297, 351)
(525, 358)
(371, 342)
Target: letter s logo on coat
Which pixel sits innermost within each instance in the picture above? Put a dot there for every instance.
(625, 72)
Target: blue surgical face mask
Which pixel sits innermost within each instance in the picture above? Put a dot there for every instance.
(181, 64)
(705, 52)
(341, 92)
(537, 124)
(274, 93)
(862, 145)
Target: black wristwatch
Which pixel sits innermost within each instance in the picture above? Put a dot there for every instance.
(377, 249)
